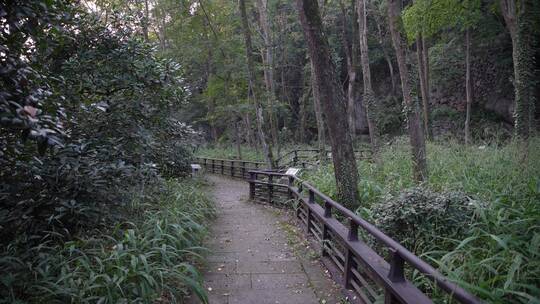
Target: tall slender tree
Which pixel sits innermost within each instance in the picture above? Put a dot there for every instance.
(350, 47)
(422, 59)
(252, 78)
(333, 102)
(410, 104)
(321, 138)
(268, 68)
(520, 17)
(369, 95)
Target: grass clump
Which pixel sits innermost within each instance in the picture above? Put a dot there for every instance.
(496, 254)
(149, 259)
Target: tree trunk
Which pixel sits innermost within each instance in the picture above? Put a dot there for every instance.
(420, 54)
(268, 69)
(333, 102)
(369, 95)
(238, 137)
(468, 86)
(350, 48)
(416, 135)
(303, 114)
(267, 147)
(386, 57)
(146, 21)
(520, 24)
(425, 49)
(251, 138)
(321, 140)
(524, 69)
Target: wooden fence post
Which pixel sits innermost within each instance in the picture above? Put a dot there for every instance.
(289, 186)
(252, 177)
(270, 188)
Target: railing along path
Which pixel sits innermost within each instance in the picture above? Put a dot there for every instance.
(344, 237)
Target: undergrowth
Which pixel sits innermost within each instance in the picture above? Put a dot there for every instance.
(248, 153)
(149, 259)
(498, 256)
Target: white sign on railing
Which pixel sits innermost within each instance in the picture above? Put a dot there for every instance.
(292, 171)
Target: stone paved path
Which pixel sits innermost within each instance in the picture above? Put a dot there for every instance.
(256, 254)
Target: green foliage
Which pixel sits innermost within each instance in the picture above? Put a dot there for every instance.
(496, 256)
(148, 259)
(422, 219)
(25, 89)
(114, 100)
(230, 153)
(429, 17)
(104, 110)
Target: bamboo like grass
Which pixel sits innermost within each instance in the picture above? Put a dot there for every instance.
(151, 259)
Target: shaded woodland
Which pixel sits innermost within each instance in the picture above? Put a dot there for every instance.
(105, 103)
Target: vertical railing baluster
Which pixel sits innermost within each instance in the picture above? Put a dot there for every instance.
(222, 166)
(327, 209)
(295, 158)
(243, 169)
(270, 188)
(311, 200)
(353, 230)
(325, 232)
(348, 267)
(232, 168)
(349, 262)
(213, 166)
(300, 201)
(396, 274)
(289, 187)
(252, 177)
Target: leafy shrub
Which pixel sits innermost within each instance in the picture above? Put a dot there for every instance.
(422, 219)
(101, 106)
(147, 258)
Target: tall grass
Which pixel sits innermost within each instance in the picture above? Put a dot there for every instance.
(498, 257)
(248, 153)
(147, 260)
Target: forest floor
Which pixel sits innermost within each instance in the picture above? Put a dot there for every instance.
(257, 256)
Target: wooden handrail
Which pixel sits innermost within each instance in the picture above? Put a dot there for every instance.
(390, 275)
(398, 251)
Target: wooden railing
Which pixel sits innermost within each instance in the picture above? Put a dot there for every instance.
(305, 158)
(302, 158)
(230, 167)
(344, 238)
(356, 248)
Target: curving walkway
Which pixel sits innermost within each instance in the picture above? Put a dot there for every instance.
(257, 256)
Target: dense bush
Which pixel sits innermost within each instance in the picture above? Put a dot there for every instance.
(89, 131)
(422, 219)
(113, 104)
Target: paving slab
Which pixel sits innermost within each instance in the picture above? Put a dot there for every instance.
(254, 259)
